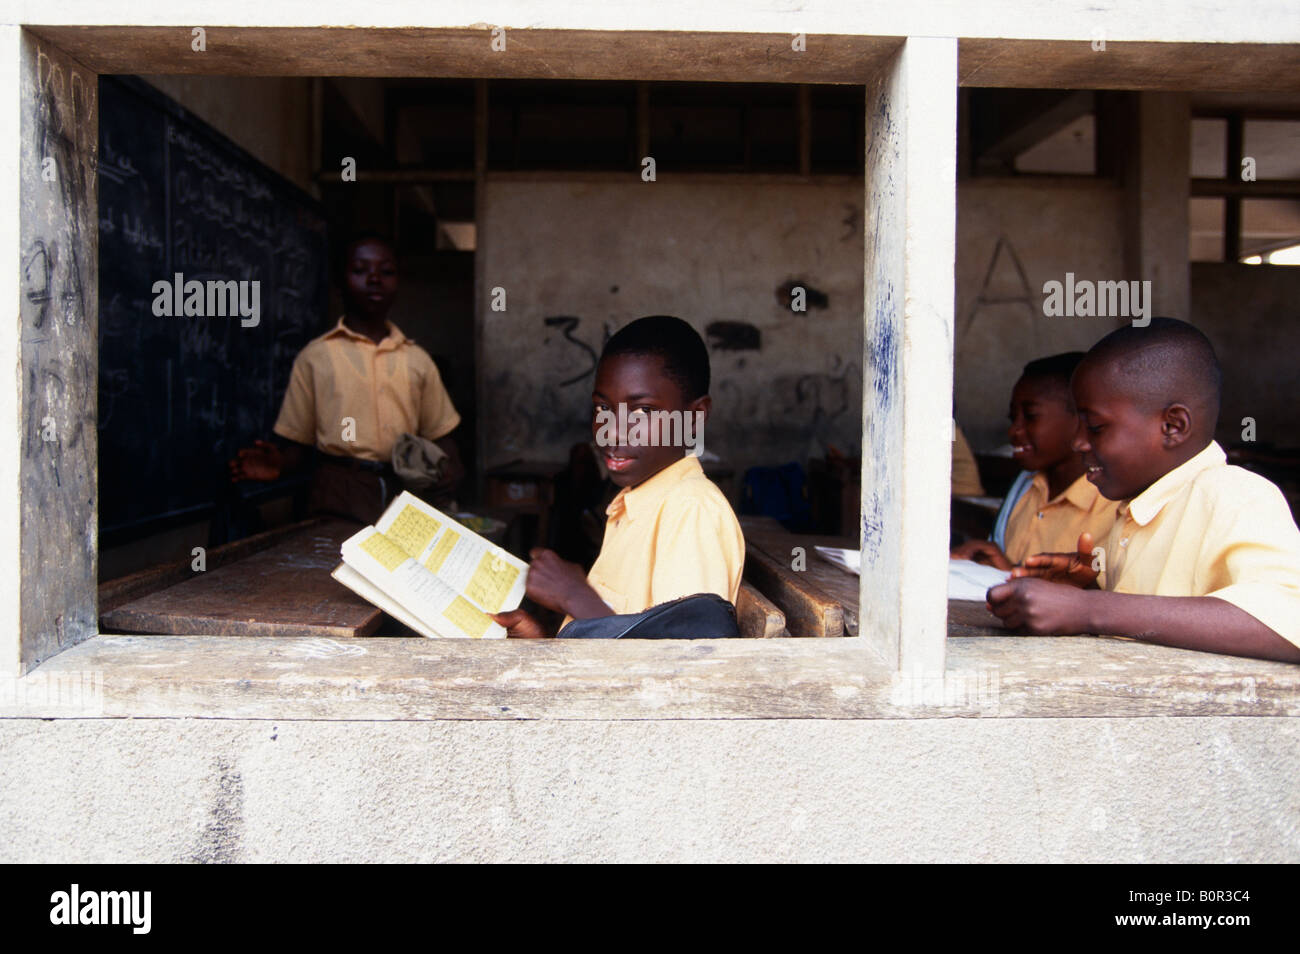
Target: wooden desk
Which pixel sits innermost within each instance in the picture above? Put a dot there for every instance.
(283, 588)
(771, 547)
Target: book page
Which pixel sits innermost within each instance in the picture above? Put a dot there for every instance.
(359, 585)
(420, 592)
(489, 577)
(968, 580)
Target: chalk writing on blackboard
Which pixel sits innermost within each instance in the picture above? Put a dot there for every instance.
(178, 395)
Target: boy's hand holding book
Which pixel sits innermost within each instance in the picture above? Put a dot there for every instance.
(520, 624)
(558, 585)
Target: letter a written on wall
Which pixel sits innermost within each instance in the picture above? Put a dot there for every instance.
(1000, 286)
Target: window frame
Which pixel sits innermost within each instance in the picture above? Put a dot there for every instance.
(908, 316)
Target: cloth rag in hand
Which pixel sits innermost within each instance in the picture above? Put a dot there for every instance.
(417, 461)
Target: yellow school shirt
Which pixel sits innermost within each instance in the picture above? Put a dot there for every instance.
(965, 471)
(1040, 525)
(673, 535)
(1207, 528)
(386, 389)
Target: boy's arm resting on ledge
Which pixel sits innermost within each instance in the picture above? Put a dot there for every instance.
(1205, 623)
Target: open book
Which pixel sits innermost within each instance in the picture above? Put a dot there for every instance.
(438, 577)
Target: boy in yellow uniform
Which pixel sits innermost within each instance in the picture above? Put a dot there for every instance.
(1204, 555)
(352, 392)
(1052, 502)
(670, 531)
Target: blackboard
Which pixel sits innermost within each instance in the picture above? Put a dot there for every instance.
(179, 395)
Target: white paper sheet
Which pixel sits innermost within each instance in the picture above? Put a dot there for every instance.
(968, 580)
(850, 560)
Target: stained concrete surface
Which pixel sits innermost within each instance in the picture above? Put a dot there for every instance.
(1011, 790)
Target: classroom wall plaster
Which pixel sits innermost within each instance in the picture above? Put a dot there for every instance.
(579, 259)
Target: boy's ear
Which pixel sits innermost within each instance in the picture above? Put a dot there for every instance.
(1175, 425)
(704, 404)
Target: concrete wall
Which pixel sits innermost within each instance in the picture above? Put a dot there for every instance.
(1052, 227)
(605, 253)
(1012, 790)
(1252, 314)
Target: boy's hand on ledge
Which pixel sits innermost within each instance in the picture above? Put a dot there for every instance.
(1039, 607)
(982, 551)
(520, 624)
(1073, 568)
(262, 461)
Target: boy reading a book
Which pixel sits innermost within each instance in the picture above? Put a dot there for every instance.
(670, 531)
(1204, 555)
(1052, 502)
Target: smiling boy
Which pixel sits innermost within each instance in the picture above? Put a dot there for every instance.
(670, 531)
(1052, 502)
(1203, 555)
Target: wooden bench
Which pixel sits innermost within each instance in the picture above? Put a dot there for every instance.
(758, 616)
(821, 599)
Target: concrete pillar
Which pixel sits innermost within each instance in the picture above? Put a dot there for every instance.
(1157, 181)
(10, 431)
(47, 421)
(907, 353)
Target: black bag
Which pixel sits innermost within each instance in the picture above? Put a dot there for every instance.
(702, 616)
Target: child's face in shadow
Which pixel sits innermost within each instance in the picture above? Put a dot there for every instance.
(1121, 442)
(1043, 424)
(370, 279)
(638, 382)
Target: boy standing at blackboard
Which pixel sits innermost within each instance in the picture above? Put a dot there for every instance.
(352, 393)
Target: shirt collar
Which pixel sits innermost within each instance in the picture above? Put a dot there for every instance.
(646, 496)
(1144, 507)
(1082, 493)
(395, 338)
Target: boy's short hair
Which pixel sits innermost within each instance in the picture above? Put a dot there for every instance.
(340, 252)
(1056, 368)
(685, 357)
(1166, 362)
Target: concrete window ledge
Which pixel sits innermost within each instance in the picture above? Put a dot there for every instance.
(413, 679)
